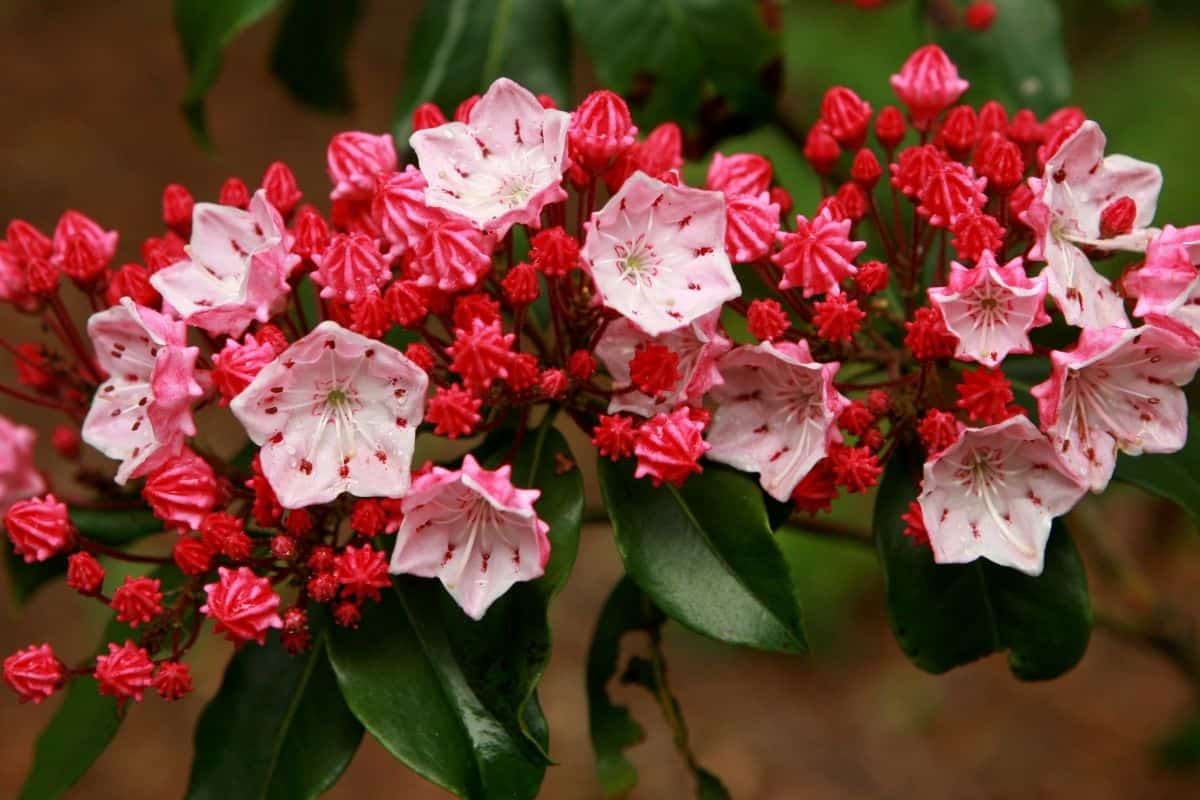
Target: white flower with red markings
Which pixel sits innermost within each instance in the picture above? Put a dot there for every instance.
(656, 253)
(474, 531)
(1117, 390)
(237, 268)
(335, 412)
(776, 413)
(991, 308)
(1087, 201)
(142, 413)
(993, 494)
(501, 167)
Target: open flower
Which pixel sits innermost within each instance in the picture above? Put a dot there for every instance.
(237, 268)
(993, 493)
(1117, 389)
(990, 308)
(657, 254)
(502, 166)
(1168, 282)
(335, 412)
(697, 346)
(776, 413)
(474, 531)
(142, 413)
(1085, 200)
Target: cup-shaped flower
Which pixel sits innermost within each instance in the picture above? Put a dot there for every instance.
(502, 166)
(1069, 214)
(697, 346)
(1118, 389)
(776, 413)
(474, 531)
(1168, 282)
(142, 413)
(335, 412)
(990, 308)
(237, 268)
(993, 493)
(656, 253)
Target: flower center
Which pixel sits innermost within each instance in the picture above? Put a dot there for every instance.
(637, 262)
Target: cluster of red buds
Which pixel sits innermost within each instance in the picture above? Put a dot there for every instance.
(537, 261)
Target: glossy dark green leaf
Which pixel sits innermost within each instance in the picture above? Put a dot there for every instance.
(1022, 56)
(1180, 749)
(115, 527)
(309, 56)
(400, 677)
(83, 725)
(205, 29)
(946, 615)
(668, 55)
(459, 47)
(278, 727)
(705, 554)
(1174, 476)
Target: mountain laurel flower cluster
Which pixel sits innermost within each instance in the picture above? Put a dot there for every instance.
(976, 289)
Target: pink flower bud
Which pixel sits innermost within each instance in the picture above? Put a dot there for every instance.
(280, 185)
(243, 605)
(38, 528)
(354, 159)
(182, 491)
(125, 672)
(928, 84)
(34, 673)
(350, 268)
(601, 128)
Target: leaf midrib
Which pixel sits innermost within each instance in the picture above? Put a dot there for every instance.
(293, 705)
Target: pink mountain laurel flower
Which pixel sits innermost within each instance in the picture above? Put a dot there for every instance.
(1168, 282)
(243, 605)
(350, 268)
(19, 476)
(1070, 200)
(991, 308)
(335, 412)
(993, 493)
(474, 531)
(697, 345)
(142, 413)
(503, 166)
(776, 413)
(818, 256)
(751, 224)
(656, 253)
(1117, 389)
(237, 268)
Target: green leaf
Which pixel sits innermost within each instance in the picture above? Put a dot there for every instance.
(115, 527)
(1180, 749)
(205, 29)
(668, 56)
(1022, 56)
(705, 554)
(613, 729)
(400, 677)
(458, 47)
(946, 615)
(278, 727)
(25, 579)
(78, 733)
(83, 725)
(1174, 476)
(309, 56)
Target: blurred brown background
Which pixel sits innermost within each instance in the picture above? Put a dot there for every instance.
(89, 95)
